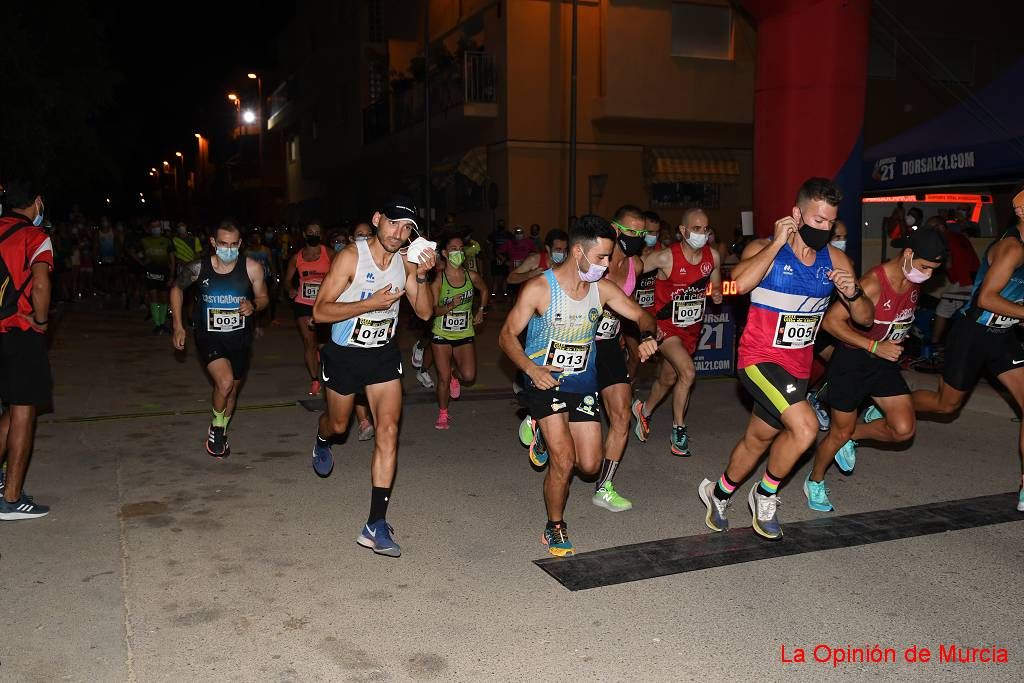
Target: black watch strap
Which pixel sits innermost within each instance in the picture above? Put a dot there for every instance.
(857, 293)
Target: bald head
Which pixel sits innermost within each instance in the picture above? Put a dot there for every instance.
(691, 215)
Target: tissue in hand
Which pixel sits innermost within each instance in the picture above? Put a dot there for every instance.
(418, 246)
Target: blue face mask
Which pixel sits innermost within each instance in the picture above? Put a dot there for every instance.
(38, 220)
(557, 256)
(650, 240)
(227, 254)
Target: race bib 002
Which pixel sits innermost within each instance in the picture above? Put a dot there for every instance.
(796, 330)
(645, 298)
(370, 333)
(572, 358)
(608, 328)
(455, 321)
(688, 309)
(224, 320)
(310, 290)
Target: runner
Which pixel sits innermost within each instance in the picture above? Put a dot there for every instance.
(613, 380)
(311, 264)
(454, 323)
(560, 312)
(790, 278)
(982, 338)
(361, 233)
(360, 296)
(643, 294)
(159, 262)
(556, 245)
(680, 291)
(231, 291)
(864, 363)
(516, 251)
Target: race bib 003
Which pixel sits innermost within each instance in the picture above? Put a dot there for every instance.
(688, 309)
(370, 333)
(224, 320)
(608, 328)
(645, 298)
(572, 358)
(796, 330)
(455, 321)
(310, 290)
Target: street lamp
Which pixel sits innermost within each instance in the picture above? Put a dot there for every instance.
(259, 94)
(249, 116)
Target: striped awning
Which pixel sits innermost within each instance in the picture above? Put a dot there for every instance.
(691, 165)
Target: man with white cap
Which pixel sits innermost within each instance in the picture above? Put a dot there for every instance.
(982, 337)
(360, 295)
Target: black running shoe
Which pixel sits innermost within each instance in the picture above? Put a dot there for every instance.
(217, 443)
(25, 508)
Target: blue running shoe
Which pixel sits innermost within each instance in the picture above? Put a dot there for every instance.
(715, 519)
(323, 459)
(557, 541)
(846, 457)
(680, 441)
(763, 509)
(872, 414)
(377, 537)
(824, 421)
(817, 495)
(1020, 501)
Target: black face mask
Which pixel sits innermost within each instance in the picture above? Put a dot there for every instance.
(312, 240)
(631, 245)
(814, 238)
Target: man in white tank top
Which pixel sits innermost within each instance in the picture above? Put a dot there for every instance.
(360, 296)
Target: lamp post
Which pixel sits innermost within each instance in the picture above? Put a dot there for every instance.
(259, 94)
(238, 111)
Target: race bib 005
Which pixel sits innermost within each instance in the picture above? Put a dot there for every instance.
(455, 321)
(224, 320)
(572, 358)
(370, 333)
(688, 309)
(796, 330)
(608, 328)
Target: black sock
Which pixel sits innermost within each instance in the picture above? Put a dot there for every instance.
(764, 487)
(321, 442)
(552, 525)
(379, 497)
(608, 468)
(721, 493)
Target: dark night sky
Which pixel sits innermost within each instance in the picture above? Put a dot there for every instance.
(175, 72)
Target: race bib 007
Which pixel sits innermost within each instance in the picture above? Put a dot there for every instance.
(796, 330)
(608, 328)
(370, 333)
(688, 309)
(224, 320)
(572, 358)
(455, 321)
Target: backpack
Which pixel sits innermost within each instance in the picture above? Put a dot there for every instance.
(9, 294)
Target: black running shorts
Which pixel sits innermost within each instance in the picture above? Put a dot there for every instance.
(972, 348)
(347, 370)
(237, 349)
(854, 375)
(773, 390)
(579, 407)
(611, 364)
(25, 378)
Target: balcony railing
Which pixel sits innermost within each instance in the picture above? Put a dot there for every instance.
(471, 81)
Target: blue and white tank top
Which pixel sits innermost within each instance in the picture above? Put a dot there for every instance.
(1013, 291)
(564, 337)
(375, 328)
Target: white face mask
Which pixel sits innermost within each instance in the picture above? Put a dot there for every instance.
(697, 240)
(839, 244)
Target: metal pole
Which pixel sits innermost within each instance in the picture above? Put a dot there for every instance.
(260, 189)
(426, 112)
(572, 117)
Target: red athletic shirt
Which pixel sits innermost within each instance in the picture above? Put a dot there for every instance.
(894, 312)
(20, 251)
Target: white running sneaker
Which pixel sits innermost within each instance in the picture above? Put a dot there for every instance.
(425, 379)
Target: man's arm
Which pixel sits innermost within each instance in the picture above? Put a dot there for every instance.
(185, 277)
(416, 289)
(533, 299)
(259, 284)
(615, 299)
(1006, 256)
(526, 270)
(862, 310)
(716, 278)
(837, 318)
(759, 255)
(40, 294)
(660, 260)
(327, 308)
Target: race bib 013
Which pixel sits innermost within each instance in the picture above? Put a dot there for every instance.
(224, 320)
(370, 333)
(796, 330)
(572, 358)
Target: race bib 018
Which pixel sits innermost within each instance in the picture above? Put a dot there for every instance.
(1001, 322)
(224, 320)
(572, 358)
(310, 290)
(688, 309)
(796, 330)
(608, 328)
(455, 321)
(370, 333)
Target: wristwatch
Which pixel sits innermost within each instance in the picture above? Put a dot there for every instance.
(857, 293)
(421, 280)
